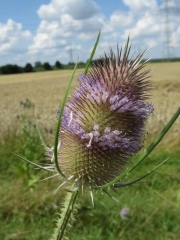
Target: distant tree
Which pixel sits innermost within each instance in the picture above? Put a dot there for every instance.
(10, 69)
(81, 63)
(28, 68)
(71, 63)
(58, 64)
(38, 64)
(47, 66)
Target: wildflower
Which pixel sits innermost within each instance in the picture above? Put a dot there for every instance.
(124, 213)
(103, 122)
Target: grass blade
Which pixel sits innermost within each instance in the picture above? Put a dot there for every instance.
(92, 53)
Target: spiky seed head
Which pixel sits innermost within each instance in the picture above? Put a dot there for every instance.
(104, 119)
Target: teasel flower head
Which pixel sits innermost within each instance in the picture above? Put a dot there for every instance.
(103, 123)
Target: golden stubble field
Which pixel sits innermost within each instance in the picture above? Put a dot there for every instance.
(46, 91)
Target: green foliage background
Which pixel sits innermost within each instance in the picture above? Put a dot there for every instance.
(28, 207)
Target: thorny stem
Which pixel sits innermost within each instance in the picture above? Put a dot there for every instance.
(66, 217)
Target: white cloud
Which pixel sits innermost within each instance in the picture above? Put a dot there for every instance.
(146, 26)
(12, 37)
(175, 38)
(149, 27)
(121, 19)
(69, 25)
(65, 23)
(78, 9)
(136, 6)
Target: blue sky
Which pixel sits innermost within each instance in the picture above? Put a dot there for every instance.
(21, 11)
(49, 30)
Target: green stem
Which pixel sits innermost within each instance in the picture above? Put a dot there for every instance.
(67, 215)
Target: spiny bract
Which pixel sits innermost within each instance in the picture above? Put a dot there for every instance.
(103, 120)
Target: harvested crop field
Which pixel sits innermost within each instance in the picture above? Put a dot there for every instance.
(46, 89)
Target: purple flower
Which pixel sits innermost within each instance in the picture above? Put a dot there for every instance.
(124, 213)
(103, 122)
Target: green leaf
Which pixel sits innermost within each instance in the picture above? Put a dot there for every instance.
(124, 184)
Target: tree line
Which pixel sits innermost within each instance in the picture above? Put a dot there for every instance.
(14, 68)
(38, 66)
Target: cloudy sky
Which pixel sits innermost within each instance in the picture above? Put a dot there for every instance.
(50, 30)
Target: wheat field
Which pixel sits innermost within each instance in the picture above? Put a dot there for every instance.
(46, 90)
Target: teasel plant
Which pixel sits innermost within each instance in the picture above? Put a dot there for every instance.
(100, 127)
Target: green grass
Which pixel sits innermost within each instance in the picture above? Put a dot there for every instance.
(28, 208)
(154, 206)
